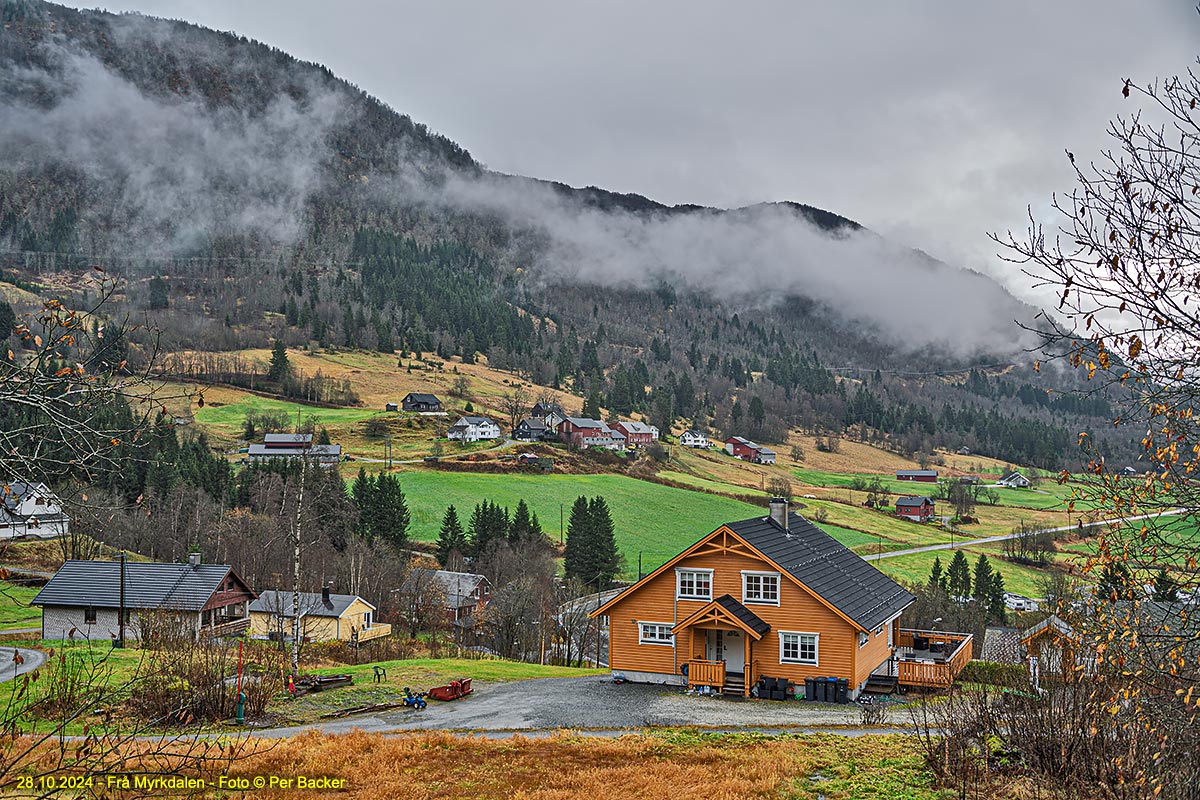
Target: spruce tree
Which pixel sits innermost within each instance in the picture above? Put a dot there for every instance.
(520, 529)
(489, 524)
(958, 579)
(392, 518)
(996, 607)
(280, 366)
(937, 578)
(451, 537)
(363, 493)
(1166, 589)
(604, 558)
(983, 581)
(578, 532)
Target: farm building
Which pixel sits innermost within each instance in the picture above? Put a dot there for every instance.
(464, 595)
(324, 617)
(922, 475)
(473, 429)
(31, 509)
(85, 596)
(747, 450)
(694, 438)
(326, 455)
(918, 509)
(767, 597)
(391, 406)
(582, 432)
(1015, 480)
(637, 434)
(424, 403)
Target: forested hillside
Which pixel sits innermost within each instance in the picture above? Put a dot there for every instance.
(244, 196)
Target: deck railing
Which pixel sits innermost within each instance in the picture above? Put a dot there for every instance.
(937, 663)
(229, 627)
(706, 673)
(376, 631)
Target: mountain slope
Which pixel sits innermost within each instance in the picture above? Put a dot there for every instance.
(277, 200)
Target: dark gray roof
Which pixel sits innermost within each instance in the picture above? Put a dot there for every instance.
(456, 586)
(752, 620)
(272, 601)
(532, 423)
(826, 566)
(913, 501)
(179, 587)
(586, 422)
(11, 494)
(417, 397)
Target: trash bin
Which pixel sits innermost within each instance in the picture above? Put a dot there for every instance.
(843, 690)
(810, 690)
(831, 689)
(820, 686)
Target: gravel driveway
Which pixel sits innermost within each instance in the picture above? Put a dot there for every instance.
(594, 702)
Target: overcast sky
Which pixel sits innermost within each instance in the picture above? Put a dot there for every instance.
(931, 122)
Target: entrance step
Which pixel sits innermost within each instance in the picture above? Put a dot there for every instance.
(735, 685)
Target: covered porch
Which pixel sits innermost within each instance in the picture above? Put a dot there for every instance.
(717, 643)
(927, 659)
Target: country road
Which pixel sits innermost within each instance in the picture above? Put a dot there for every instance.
(991, 539)
(9, 669)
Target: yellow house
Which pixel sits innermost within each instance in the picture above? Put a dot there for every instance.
(323, 617)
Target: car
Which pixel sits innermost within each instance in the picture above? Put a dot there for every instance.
(348, 457)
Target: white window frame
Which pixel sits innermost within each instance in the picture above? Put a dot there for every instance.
(679, 595)
(750, 573)
(367, 620)
(863, 638)
(816, 659)
(669, 641)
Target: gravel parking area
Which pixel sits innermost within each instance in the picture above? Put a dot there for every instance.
(591, 703)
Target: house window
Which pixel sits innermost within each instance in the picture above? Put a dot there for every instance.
(760, 587)
(655, 633)
(693, 584)
(863, 639)
(89, 615)
(366, 620)
(798, 648)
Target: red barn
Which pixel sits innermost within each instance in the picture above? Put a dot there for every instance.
(741, 448)
(922, 475)
(918, 509)
(637, 434)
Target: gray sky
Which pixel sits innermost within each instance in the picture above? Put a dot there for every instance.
(930, 122)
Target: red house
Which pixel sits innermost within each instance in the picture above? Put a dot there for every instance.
(918, 509)
(741, 448)
(581, 432)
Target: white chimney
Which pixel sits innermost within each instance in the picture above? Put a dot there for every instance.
(194, 560)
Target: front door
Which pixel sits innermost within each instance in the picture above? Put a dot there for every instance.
(729, 647)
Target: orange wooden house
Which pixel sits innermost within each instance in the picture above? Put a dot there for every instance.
(773, 596)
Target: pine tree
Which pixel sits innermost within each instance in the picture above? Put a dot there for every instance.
(323, 436)
(363, 493)
(996, 607)
(451, 537)
(1114, 581)
(578, 532)
(1166, 590)
(958, 578)
(489, 524)
(521, 528)
(280, 366)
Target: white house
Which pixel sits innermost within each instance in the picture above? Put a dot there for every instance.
(30, 509)
(694, 438)
(1019, 602)
(1015, 480)
(473, 429)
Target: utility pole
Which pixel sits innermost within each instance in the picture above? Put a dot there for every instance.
(296, 572)
(121, 605)
(560, 523)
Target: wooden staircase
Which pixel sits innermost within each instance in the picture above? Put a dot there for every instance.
(735, 684)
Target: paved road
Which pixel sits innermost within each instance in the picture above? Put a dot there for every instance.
(593, 703)
(991, 539)
(9, 670)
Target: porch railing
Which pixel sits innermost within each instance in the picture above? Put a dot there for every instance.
(931, 659)
(706, 673)
(376, 631)
(229, 627)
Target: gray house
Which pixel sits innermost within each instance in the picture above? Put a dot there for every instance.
(30, 509)
(82, 600)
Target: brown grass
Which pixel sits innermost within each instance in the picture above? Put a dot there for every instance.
(438, 765)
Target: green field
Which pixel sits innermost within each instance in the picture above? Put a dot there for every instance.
(232, 416)
(15, 611)
(651, 519)
(915, 568)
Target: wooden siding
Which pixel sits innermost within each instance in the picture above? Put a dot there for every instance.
(727, 556)
(872, 654)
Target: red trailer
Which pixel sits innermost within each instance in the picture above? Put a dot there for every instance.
(455, 690)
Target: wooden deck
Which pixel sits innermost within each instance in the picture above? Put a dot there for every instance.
(931, 659)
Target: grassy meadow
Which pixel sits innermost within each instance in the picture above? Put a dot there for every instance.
(15, 611)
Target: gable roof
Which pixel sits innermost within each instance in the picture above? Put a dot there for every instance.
(532, 422)
(545, 408)
(456, 586)
(836, 575)
(288, 439)
(1016, 473)
(1051, 622)
(693, 432)
(14, 492)
(419, 397)
(272, 601)
(636, 427)
(913, 501)
(586, 422)
(463, 421)
(726, 608)
(180, 587)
